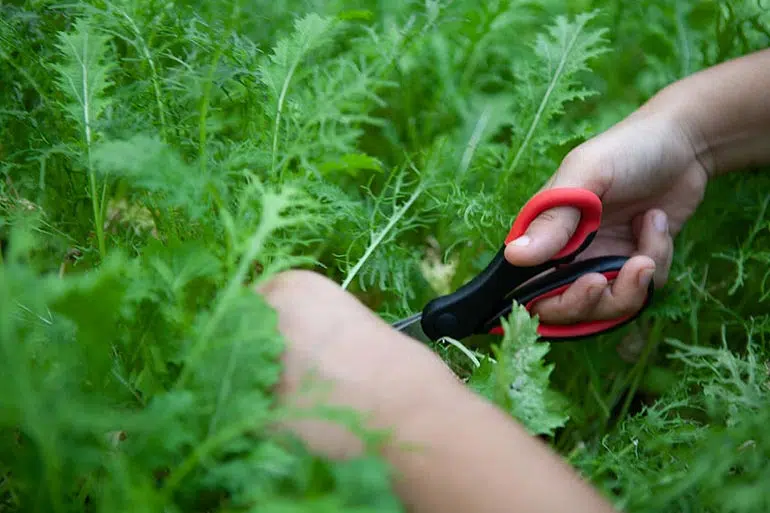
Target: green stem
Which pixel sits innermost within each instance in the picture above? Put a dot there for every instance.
(253, 423)
(510, 167)
(640, 367)
(377, 239)
(143, 47)
(206, 98)
(98, 210)
(232, 288)
(209, 446)
(205, 102)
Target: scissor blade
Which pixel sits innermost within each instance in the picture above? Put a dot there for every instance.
(412, 327)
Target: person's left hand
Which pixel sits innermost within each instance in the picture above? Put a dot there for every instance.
(350, 358)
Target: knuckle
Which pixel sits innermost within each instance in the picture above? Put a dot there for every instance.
(570, 310)
(548, 216)
(587, 165)
(560, 225)
(661, 253)
(577, 158)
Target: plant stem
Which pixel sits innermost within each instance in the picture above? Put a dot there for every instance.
(377, 240)
(145, 50)
(557, 74)
(269, 223)
(98, 213)
(209, 446)
(205, 102)
(641, 365)
(206, 97)
(97, 208)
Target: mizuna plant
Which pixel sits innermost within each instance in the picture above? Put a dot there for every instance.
(155, 157)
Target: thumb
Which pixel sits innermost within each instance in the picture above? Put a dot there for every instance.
(546, 235)
(550, 231)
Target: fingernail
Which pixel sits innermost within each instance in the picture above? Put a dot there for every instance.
(661, 222)
(595, 291)
(645, 277)
(524, 240)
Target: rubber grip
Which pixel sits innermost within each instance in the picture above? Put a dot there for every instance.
(578, 330)
(582, 329)
(589, 204)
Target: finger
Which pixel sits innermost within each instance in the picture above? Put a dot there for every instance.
(546, 235)
(627, 293)
(624, 296)
(655, 242)
(575, 304)
(552, 229)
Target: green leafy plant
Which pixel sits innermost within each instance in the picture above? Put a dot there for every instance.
(157, 159)
(517, 378)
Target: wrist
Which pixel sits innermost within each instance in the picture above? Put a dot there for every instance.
(725, 112)
(674, 104)
(372, 376)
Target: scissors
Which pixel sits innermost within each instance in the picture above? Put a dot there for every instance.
(476, 307)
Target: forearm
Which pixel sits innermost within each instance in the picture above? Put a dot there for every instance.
(452, 451)
(726, 111)
(469, 456)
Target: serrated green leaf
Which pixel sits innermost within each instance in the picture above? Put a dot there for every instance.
(148, 164)
(518, 380)
(156, 160)
(84, 74)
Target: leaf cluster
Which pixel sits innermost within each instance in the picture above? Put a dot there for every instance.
(159, 159)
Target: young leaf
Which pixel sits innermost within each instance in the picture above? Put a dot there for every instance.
(83, 78)
(83, 75)
(311, 32)
(148, 164)
(549, 83)
(518, 381)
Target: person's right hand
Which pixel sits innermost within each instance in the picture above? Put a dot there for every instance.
(646, 172)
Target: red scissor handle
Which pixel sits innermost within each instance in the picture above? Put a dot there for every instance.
(589, 204)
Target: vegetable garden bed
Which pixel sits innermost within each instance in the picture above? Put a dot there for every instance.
(155, 156)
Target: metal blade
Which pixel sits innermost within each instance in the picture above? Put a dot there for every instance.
(412, 327)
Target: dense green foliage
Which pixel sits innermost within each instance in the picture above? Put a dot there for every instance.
(156, 156)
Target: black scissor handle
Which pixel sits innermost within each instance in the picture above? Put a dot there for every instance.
(555, 283)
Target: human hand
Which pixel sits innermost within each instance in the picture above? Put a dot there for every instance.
(646, 172)
(341, 355)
